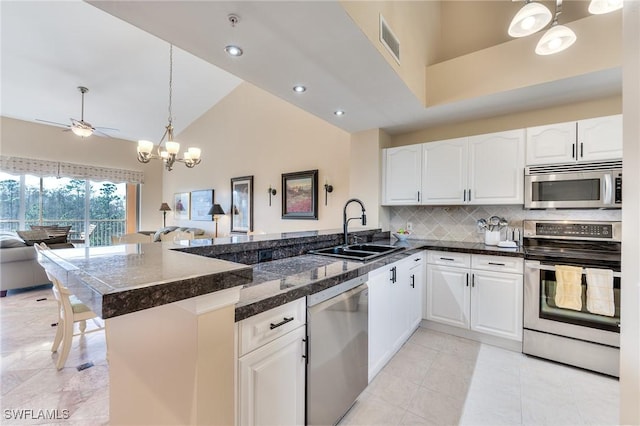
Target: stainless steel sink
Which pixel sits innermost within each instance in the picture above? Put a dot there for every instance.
(357, 251)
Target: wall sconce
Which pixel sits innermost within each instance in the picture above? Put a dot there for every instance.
(164, 208)
(327, 189)
(215, 211)
(272, 191)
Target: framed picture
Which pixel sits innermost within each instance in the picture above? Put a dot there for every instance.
(201, 203)
(181, 205)
(300, 195)
(242, 204)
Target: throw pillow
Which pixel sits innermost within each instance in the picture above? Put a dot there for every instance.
(165, 230)
(7, 241)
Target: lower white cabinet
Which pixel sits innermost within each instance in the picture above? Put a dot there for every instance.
(395, 308)
(271, 377)
(481, 293)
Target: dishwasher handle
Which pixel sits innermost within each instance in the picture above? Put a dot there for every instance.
(337, 299)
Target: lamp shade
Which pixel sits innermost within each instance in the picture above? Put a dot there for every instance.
(556, 39)
(164, 207)
(599, 7)
(216, 209)
(530, 19)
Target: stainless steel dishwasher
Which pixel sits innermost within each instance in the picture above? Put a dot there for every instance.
(337, 355)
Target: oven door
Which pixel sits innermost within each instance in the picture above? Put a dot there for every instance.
(542, 314)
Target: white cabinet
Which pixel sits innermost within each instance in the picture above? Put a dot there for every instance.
(445, 171)
(478, 292)
(594, 139)
(395, 308)
(483, 169)
(401, 171)
(496, 168)
(271, 368)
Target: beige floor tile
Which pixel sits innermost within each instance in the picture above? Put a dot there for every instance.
(371, 410)
(436, 408)
(411, 419)
(392, 389)
(446, 382)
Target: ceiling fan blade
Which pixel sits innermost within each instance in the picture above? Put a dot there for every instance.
(53, 122)
(98, 132)
(107, 128)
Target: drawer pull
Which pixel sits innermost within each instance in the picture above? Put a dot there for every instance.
(283, 322)
(497, 264)
(447, 258)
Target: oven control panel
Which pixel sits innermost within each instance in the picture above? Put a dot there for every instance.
(578, 230)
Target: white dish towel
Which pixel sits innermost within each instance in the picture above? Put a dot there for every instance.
(600, 292)
(568, 287)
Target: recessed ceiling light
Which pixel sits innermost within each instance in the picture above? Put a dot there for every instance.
(338, 112)
(233, 50)
(299, 88)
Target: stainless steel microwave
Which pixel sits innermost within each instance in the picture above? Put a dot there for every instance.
(578, 186)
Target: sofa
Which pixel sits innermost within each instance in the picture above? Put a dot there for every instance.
(19, 267)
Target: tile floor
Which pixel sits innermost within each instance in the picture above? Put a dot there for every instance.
(435, 379)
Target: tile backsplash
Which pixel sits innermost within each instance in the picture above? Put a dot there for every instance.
(458, 223)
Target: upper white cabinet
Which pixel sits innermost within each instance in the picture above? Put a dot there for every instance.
(401, 171)
(483, 169)
(445, 176)
(595, 139)
(496, 168)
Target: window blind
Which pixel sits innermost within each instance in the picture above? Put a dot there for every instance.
(43, 168)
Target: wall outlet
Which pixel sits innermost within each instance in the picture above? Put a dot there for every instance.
(409, 226)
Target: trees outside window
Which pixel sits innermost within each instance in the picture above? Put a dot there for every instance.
(31, 200)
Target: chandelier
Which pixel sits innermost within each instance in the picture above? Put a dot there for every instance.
(169, 155)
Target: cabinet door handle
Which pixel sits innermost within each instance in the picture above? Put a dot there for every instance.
(473, 280)
(464, 195)
(417, 259)
(581, 149)
(467, 280)
(413, 281)
(497, 264)
(469, 197)
(304, 349)
(418, 196)
(393, 274)
(283, 322)
(447, 258)
(573, 150)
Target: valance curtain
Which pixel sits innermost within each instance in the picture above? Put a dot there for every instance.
(43, 168)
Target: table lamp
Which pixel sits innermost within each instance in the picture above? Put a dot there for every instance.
(215, 211)
(164, 208)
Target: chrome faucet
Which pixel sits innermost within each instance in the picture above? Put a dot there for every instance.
(345, 221)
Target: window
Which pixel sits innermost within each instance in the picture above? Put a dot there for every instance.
(100, 207)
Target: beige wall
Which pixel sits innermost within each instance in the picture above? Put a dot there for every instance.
(251, 132)
(630, 301)
(33, 140)
(576, 111)
(504, 67)
(416, 24)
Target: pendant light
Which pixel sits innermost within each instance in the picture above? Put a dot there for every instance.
(599, 7)
(557, 38)
(169, 155)
(530, 19)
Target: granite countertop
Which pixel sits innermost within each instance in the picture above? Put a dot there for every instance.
(120, 279)
(281, 281)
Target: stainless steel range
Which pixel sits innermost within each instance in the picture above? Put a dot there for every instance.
(585, 333)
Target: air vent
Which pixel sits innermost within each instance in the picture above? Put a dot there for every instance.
(573, 167)
(389, 40)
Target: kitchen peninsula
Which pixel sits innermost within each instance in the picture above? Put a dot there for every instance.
(170, 310)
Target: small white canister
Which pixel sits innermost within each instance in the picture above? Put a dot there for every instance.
(491, 238)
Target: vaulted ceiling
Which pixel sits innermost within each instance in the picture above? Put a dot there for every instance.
(119, 50)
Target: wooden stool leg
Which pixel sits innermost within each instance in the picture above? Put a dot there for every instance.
(67, 338)
(59, 335)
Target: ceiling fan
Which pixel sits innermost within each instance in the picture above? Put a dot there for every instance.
(81, 127)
